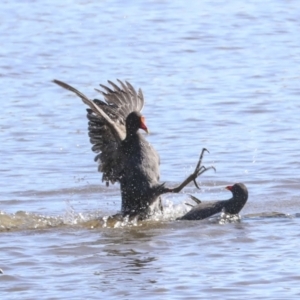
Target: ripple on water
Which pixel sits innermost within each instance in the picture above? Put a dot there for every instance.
(215, 74)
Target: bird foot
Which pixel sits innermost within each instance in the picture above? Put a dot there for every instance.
(194, 199)
(201, 169)
(197, 172)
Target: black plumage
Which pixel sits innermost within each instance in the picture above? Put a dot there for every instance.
(209, 208)
(124, 155)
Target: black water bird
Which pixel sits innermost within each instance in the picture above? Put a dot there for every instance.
(209, 208)
(124, 155)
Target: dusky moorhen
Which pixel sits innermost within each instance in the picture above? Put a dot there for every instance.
(124, 155)
(209, 208)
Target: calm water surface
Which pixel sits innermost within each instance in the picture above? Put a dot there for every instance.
(215, 74)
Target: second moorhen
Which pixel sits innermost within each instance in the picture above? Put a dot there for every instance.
(209, 208)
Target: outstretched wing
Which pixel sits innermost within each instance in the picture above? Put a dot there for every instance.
(106, 124)
(124, 98)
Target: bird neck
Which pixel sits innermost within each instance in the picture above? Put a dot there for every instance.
(131, 133)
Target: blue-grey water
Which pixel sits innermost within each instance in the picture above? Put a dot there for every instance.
(224, 75)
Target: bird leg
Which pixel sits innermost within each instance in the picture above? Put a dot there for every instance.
(194, 199)
(198, 171)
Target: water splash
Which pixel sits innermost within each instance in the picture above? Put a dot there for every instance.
(228, 218)
(22, 220)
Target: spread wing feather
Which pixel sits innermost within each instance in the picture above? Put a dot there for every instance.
(106, 125)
